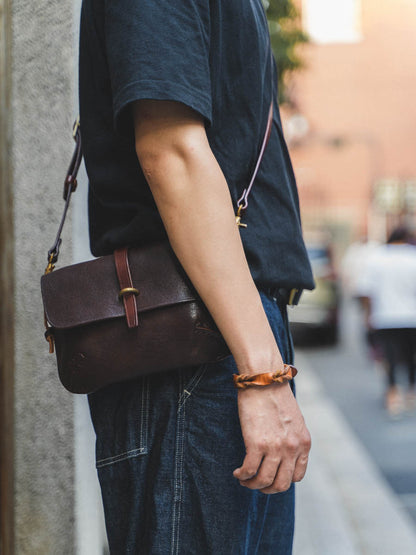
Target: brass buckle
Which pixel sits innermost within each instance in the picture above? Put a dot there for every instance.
(50, 339)
(48, 331)
(128, 290)
(50, 267)
(76, 127)
(292, 296)
(238, 217)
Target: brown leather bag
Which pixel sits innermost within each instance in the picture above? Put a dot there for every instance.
(129, 314)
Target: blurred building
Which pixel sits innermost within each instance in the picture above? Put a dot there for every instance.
(351, 125)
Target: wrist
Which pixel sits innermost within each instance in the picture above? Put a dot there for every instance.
(260, 362)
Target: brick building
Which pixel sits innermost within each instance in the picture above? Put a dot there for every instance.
(352, 126)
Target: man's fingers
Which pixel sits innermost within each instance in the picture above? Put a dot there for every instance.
(283, 479)
(266, 474)
(302, 460)
(250, 466)
(300, 468)
(286, 474)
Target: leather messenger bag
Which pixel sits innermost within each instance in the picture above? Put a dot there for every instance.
(129, 314)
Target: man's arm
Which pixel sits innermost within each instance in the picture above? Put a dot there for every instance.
(195, 205)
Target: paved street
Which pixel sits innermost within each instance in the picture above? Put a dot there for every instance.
(356, 385)
(359, 496)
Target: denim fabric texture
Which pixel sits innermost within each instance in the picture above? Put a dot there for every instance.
(166, 449)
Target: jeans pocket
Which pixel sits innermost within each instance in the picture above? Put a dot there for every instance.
(190, 380)
(120, 415)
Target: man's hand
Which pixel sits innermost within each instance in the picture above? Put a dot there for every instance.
(276, 438)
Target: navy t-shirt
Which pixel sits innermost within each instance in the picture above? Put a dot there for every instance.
(213, 56)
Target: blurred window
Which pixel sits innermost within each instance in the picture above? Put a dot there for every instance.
(332, 21)
(320, 260)
(316, 253)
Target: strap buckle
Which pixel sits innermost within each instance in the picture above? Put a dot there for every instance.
(51, 266)
(76, 127)
(128, 291)
(238, 217)
(294, 296)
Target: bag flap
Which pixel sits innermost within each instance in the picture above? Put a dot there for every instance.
(88, 292)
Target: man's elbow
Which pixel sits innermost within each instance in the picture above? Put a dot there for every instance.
(166, 160)
(170, 138)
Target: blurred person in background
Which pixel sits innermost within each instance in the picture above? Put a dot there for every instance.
(352, 263)
(387, 289)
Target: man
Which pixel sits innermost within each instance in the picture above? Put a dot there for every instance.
(174, 98)
(388, 291)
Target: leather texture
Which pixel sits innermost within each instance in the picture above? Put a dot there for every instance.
(83, 293)
(242, 381)
(124, 278)
(94, 345)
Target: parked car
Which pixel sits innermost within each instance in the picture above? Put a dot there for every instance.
(317, 313)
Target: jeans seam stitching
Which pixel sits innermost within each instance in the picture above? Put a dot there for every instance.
(260, 534)
(121, 457)
(181, 481)
(191, 386)
(146, 416)
(178, 478)
(143, 413)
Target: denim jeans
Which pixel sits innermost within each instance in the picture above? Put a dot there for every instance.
(166, 449)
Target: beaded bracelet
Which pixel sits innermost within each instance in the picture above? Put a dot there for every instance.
(242, 381)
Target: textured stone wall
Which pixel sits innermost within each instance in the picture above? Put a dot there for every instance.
(6, 293)
(42, 104)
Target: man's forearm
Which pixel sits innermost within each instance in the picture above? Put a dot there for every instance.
(194, 202)
(195, 205)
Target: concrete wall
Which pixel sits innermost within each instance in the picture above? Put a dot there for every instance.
(42, 105)
(6, 293)
(57, 503)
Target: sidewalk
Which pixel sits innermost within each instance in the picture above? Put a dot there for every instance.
(344, 504)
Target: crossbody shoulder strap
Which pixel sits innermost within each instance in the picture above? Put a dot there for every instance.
(242, 202)
(71, 183)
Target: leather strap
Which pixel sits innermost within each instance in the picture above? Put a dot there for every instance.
(71, 174)
(242, 381)
(243, 200)
(70, 185)
(127, 291)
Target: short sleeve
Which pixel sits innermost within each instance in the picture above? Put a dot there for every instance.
(158, 50)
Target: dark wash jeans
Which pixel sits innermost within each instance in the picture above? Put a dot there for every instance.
(166, 449)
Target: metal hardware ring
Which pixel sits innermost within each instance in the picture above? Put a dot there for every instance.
(128, 290)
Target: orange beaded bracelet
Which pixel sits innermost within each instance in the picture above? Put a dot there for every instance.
(242, 381)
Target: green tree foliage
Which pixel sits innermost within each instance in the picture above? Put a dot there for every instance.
(286, 34)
